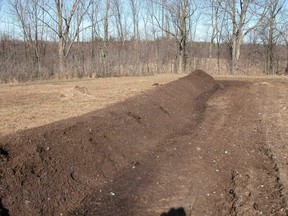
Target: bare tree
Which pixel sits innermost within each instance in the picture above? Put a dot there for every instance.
(179, 11)
(106, 37)
(217, 22)
(214, 23)
(27, 13)
(94, 23)
(282, 29)
(244, 16)
(66, 28)
(118, 14)
(1, 5)
(63, 31)
(272, 35)
(135, 6)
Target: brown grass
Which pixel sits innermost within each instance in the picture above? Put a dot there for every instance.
(250, 77)
(28, 105)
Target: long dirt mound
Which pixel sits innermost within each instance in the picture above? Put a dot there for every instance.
(49, 170)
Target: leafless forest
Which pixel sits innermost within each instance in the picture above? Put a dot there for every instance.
(99, 38)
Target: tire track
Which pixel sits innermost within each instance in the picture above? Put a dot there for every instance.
(258, 189)
(274, 104)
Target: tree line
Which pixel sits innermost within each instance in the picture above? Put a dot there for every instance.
(100, 38)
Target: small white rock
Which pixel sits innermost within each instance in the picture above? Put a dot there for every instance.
(198, 149)
(112, 194)
(27, 202)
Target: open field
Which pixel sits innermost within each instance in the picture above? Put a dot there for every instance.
(33, 104)
(206, 146)
(28, 105)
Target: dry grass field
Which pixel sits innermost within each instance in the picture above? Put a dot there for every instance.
(33, 104)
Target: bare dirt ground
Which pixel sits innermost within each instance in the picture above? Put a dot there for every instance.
(201, 146)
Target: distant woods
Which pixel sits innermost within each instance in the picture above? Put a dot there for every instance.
(100, 38)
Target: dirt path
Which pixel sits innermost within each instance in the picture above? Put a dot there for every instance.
(227, 157)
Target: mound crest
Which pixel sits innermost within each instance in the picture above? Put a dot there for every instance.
(52, 168)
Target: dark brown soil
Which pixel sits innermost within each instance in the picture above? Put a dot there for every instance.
(187, 145)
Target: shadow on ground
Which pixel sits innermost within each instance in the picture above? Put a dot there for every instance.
(175, 212)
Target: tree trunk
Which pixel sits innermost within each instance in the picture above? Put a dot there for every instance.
(61, 56)
(105, 45)
(286, 69)
(182, 57)
(37, 59)
(236, 53)
(218, 57)
(59, 5)
(270, 47)
(183, 38)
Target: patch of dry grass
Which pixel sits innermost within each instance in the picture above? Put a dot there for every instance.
(252, 77)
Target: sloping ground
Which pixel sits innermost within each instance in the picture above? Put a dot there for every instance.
(51, 170)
